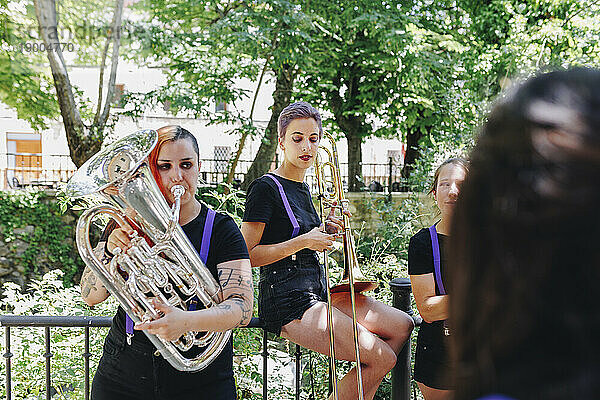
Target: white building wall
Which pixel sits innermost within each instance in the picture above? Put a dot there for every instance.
(143, 79)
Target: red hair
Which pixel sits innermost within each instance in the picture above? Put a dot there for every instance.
(169, 133)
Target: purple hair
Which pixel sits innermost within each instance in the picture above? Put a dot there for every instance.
(298, 110)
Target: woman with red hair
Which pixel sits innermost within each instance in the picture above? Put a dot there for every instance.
(129, 367)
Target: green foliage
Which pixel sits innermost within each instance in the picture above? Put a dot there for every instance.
(384, 254)
(48, 242)
(224, 198)
(48, 296)
(397, 222)
(24, 86)
(213, 52)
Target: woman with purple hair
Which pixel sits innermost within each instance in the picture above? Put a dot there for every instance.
(283, 233)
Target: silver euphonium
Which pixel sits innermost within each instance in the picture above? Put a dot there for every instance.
(170, 269)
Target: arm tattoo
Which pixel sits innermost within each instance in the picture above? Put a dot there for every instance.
(238, 284)
(88, 282)
(224, 307)
(232, 278)
(243, 305)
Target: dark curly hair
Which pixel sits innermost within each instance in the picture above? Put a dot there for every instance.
(525, 253)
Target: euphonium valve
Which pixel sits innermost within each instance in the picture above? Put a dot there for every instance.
(161, 262)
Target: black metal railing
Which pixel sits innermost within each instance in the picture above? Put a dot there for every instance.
(47, 322)
(401, 374)
(46, 171)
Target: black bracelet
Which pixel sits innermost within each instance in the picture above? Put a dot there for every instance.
(107, 252)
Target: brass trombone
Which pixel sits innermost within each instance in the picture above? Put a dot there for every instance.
(331, 195)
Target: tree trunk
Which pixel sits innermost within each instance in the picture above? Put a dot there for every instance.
(266, 151)
(45, 11)
(236, 158)
(352, 124)
(354, 162)
(83, 142)
(412, 154)
(353, 127)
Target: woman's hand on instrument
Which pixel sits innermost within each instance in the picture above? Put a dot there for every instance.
(170, 326)
(121, 238)
(318, 240)
(334, 224)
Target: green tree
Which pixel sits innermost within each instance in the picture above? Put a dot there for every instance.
(23, 87)
(84, 139)
(378, 70)
(207, 48)
(495, 44)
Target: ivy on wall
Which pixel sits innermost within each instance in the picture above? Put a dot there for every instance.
(36, 236)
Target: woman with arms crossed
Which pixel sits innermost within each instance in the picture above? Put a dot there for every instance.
(427, 268)
(129, 367)
(283, 233)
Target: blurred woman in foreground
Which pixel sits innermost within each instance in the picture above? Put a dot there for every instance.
(525, 252)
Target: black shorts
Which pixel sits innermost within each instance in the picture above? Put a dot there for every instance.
(288, 288)
(432, 362)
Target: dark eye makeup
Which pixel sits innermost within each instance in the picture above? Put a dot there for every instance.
(167, 166)
(298, 138)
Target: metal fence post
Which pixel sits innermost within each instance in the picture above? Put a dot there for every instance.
(86, 357)
(7, 355)
(390, 165)
(401, 374)
(48, 356)
(298, 354)
(265, 354)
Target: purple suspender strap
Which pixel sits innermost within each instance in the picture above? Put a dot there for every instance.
(128, 328)
(204, 248)
(287, 206)
(436, 259)
(496, 397)
(206, 234)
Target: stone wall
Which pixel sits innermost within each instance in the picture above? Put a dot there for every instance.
(364, 216)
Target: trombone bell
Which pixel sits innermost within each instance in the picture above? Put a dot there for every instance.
(361, 283)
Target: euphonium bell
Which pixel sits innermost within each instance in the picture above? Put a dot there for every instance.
(166, 266)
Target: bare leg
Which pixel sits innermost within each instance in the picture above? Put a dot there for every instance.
(430, 393)
(390, 324)
(377, 357)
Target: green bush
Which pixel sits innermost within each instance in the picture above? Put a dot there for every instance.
(49, 296)
(384, 256)
(224, 198)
